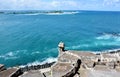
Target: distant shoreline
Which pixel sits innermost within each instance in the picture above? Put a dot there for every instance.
(49, 11)
(34, 12)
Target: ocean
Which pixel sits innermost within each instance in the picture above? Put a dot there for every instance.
(27, 39)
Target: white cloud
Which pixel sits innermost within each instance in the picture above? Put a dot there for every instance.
(36, 4)
(55, 3)
(111, 2)
(59, 4)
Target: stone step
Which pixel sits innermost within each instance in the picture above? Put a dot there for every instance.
(11, 72)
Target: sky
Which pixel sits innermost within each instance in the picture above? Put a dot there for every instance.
(103, 5)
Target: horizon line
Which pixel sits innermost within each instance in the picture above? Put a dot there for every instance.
(64, 10)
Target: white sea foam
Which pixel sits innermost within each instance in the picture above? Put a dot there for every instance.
(105, 43)
(112, 50)
(95, 43)
(32, 14)
(96, 52)
(118, 39)
(106, 36)
(9, 54)
(12, 54)
(2, 56)
(71, 12)
(15, 57)
(106, 51)
(78, 46)
(36, 52)
(48, 60)
(108, 40)
(64, 13)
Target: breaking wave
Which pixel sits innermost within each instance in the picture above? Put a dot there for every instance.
(112, 50)
(78, 46)
(107, 36)
(105, 40)
(9, 55)
(32, 14)
(48, 60)
(94, 45)
(12, 54)
(36, 52)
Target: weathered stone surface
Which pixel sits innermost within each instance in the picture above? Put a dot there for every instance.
(11, 72)
(2, 67)
(67, 58)
(83, 54)
(61, 69)
(32, 73)
(89, 64)
(74, 70)
(102, 73)
(101, 67)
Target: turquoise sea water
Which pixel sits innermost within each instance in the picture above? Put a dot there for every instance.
(33, 38)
